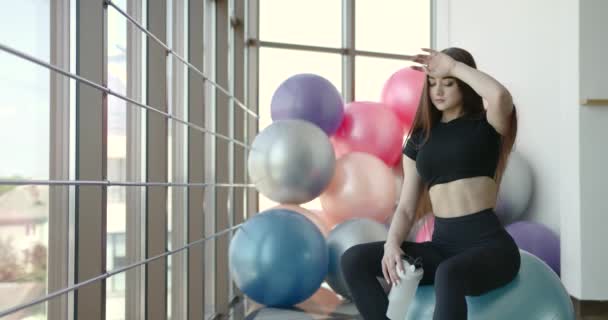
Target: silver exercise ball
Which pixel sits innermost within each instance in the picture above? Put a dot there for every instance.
(341, 238)
(516, 189)
(291, 161)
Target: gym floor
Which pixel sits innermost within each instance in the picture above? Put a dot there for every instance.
(324, 304)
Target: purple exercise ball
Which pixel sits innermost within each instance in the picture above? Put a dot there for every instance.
(308, 97)
(538, 240)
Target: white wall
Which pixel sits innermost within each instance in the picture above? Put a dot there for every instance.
(593, 148)
(533, 48)
(569, 152)
(500, 36)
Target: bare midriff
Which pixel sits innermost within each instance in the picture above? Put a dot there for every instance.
(463, 196)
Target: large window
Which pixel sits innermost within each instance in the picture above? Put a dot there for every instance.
(371, 73)
(24, 132)
(295, 37)
(311, 22)
(382, 31)
(393, 26)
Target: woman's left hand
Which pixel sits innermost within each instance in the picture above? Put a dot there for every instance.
(436, 64)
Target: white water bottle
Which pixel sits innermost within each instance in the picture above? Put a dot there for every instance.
(401, 295)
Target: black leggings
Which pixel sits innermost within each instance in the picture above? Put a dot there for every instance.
(468, 256)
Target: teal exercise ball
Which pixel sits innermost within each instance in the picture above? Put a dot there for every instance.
(535, 293)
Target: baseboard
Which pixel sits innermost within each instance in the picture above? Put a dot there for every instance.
(588, 308)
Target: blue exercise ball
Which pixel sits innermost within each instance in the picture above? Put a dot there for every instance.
(278, 258)
(309, 97)
(291, 161)
(535, 293)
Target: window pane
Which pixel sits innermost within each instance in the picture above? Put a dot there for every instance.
(24, 115)
(24, 103)
(276, 65)
(396, 26)
(24, 132)
(116, 162)
(372, 73)
(311, 22)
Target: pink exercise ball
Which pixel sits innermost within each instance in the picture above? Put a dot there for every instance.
(312, 216)
(370, 127)
(402, 92)
(340, 147)
(425, 233)
(329, 221)
(362, 187)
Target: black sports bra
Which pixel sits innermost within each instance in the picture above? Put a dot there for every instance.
(461, 148)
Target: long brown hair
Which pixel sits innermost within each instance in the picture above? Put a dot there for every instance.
(427, 115)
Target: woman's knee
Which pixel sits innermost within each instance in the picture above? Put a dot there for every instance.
(449, 275)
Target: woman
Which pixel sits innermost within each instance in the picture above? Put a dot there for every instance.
(455, 156)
